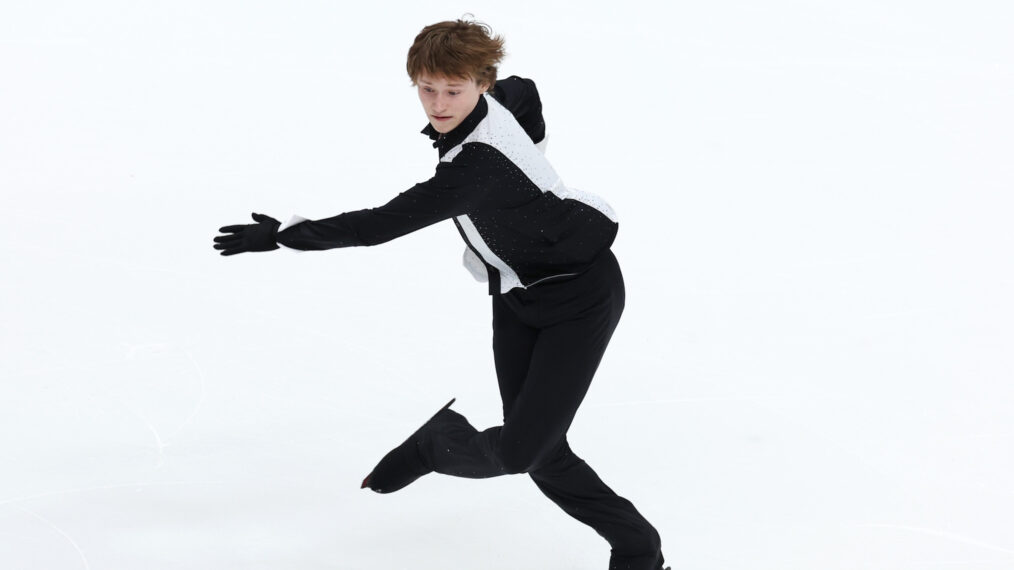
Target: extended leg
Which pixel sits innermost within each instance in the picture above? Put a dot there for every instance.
(447, 443)
(570, 483)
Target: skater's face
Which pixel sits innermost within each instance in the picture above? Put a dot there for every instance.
(448, 101)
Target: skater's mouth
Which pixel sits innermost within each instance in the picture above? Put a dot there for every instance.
(439, 118)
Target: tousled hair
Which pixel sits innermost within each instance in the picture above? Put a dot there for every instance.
(456, 49)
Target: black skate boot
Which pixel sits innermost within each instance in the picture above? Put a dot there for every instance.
(403, 464)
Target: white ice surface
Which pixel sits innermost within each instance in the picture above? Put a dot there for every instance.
(814, 370)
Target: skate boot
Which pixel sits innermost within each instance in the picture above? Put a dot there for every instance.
(403, 464)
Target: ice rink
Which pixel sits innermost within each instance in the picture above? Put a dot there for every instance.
(815, 369)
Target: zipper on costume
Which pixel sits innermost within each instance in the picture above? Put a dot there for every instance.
(550, 277)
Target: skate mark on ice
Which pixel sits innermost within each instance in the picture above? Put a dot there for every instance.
(200, 399)
(942, 534)
(137, 413)
(161, 443)
(61, 532)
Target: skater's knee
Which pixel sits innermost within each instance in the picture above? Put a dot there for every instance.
(515, 464)
(652, 540)
(518, 456)
(517, 459)
(645, 543)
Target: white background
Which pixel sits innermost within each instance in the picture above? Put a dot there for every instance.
(815, 366)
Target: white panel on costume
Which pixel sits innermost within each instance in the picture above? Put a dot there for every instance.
(500, 130)
(586, 198)
(541, 145)
(508, 277)
(474, 265)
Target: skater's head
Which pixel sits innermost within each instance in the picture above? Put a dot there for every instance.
(452, 64)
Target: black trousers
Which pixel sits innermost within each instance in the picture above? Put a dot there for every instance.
(548, 341)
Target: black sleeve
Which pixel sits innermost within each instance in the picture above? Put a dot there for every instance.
(451, 192)
(522, 99)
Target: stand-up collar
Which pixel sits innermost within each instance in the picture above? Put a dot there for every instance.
(447, 141)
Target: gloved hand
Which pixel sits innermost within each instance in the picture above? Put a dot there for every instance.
(249, 237)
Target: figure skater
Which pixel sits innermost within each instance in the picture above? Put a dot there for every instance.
(544, 250)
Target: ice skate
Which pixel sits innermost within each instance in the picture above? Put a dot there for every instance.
(403, 464)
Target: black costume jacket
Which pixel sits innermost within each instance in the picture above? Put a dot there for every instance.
(521, 224)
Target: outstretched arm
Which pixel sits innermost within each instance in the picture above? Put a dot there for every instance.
(451, 192)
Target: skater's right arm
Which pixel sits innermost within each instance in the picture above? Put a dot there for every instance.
(452, 191)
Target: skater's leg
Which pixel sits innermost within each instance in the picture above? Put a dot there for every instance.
(448, 443)
(546, 353)
(403, 464)
(563, 362)
(570, 483)
(539, 403)
(457, 448)
(533, 439)
(545, 363)
(513, 343)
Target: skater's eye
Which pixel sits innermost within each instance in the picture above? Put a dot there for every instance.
(454, 92)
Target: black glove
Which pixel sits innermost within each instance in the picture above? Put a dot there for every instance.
(250, 237)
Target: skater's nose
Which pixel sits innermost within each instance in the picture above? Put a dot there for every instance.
(440, 102)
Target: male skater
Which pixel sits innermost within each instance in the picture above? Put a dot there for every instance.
(557, 291)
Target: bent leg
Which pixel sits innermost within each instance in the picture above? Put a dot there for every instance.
(513, 343)
(570, 483)
(547, 344)
(459, 449)
(563, 362)
(449, 444)
(544, 375)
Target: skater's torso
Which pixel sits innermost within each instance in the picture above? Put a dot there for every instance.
(522, 225)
